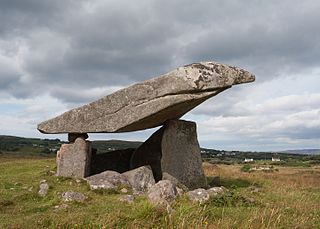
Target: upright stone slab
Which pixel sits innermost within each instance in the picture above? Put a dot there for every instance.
(173, 149)
(74, 159)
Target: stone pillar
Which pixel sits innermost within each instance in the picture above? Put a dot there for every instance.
(74, 159)
(173, 149)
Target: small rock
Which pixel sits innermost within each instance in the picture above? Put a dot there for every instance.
(43, 188)
(124, 190)
(249, 200)
(73, 196)
(138, 193)
(255, 189)
(216, 190)
(162, 193)
(78, 181)
(30, 189)
(141, 179)
(60, 207)
(179, 191)
(51, 173)
(107, 180)
(199, 195)
(127, 198)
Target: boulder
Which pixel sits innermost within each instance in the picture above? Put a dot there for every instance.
(175, 181)
(216, 190)
(150, 103)
(162, 193)
(141, 179)
(107, 180)
(199, 195)
(43, 188)
(73, 196)
(74, 159)
(173, 150)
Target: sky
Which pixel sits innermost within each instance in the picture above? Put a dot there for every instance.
(57, 55)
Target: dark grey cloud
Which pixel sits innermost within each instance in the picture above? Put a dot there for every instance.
(79, 45)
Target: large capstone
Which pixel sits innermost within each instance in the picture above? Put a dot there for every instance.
(74, 159)
(174, 150)
(150, 103)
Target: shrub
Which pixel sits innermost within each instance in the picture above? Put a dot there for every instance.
(246, 168)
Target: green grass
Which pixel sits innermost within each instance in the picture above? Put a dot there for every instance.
(287, 199)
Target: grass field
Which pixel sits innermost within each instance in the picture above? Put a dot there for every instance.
(287, 198)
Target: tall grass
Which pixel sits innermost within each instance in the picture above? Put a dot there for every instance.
(289, 198)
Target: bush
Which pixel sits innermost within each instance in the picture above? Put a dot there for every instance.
(246, 168)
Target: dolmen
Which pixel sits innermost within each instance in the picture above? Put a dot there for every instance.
(172, 151)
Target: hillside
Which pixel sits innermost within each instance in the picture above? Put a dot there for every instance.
(49, 147)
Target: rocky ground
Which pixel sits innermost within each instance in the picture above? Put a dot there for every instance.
(32, 197)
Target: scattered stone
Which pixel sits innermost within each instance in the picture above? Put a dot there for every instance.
(107, 180)
(249, 200)
(141, 179)
(255, 189)
(173, 150)
(180, 191)
(51, 173)
(199, 195)
(61, 207)
(138, 193)
(127, 198)
(216, 190)
(150, 103)
(124, 190)
(73, 196)
(162, 193)
(73, 160)
(43, 188)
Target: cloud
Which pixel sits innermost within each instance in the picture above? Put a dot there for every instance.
(77, 51)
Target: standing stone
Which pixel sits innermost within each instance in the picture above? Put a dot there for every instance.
(73, 160)
(173, 149)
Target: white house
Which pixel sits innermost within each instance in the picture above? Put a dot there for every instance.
(248, 160)
(275, 159)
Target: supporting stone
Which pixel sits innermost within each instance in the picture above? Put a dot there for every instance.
(73, 136)
(173, 149)
(74, 159)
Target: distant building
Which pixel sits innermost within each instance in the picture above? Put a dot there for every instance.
(275, 159)
(248, 160)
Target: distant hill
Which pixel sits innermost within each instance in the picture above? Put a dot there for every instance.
(302, 151)
(48, 147)
(13, 144)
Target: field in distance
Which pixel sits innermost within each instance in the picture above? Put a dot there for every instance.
(282, 197)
